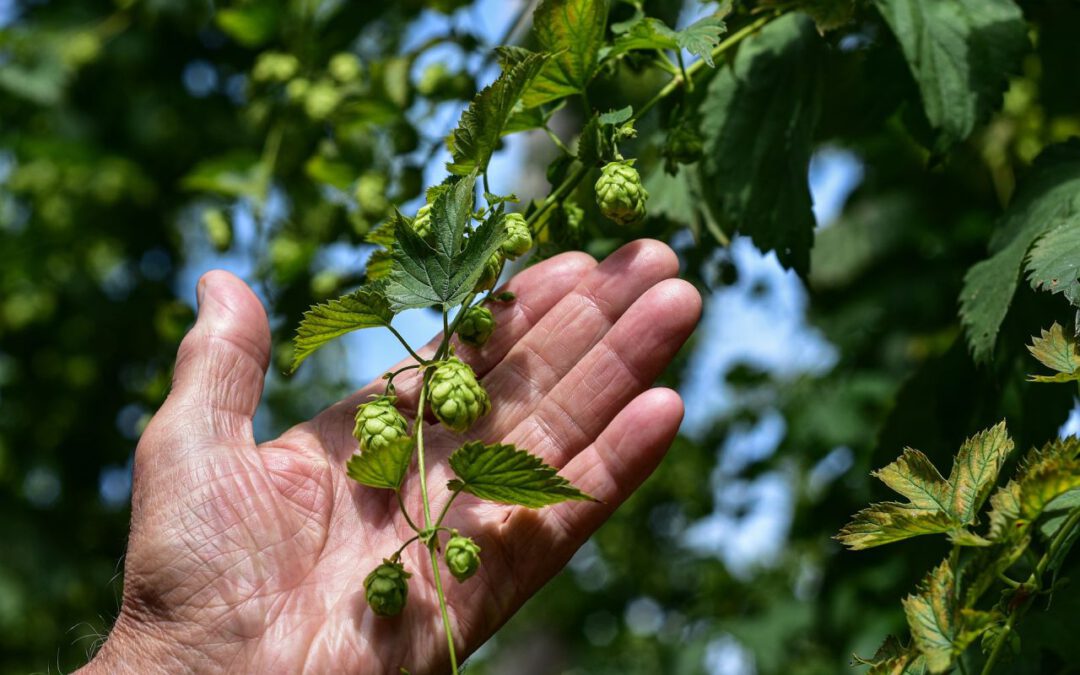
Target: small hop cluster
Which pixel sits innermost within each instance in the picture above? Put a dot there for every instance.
(456, 397)
(421, 224)
(684, 146)
(476, 326)
(379, 424)
(490, 274)
(518, 236)
(387, 588)
(462, 557)
(620, 194)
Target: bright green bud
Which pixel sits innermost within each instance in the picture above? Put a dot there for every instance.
(345, 67)
(518, 236)
(387, 588)
(274, 67)
(620, 194)
(490, 274)
(462, 557)
(457, 399)
(378, 423)
(321, 99)
(476, 326)
(421, 224)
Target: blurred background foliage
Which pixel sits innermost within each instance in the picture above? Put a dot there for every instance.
(145, 141)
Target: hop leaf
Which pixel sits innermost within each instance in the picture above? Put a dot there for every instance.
(387, 588)
(620, 194)
(456, 397)
(462, 557)
(364, 308)
(505, 474)
(476, 326)
(1056, 351)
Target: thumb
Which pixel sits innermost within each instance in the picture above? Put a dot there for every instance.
(221, 364)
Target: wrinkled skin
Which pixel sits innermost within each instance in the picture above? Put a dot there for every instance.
(248, 557)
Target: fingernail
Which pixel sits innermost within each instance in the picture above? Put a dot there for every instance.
(200, 291)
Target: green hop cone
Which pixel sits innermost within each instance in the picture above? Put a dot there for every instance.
(421, 224)
(387, 588)
(684, 146)
(456, 398)
(620, 194)
(490, 275)
(518, 236)
(476, 326)
(462, 557)
(378, 423)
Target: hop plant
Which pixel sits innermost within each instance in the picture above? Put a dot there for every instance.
(620, 194)
(518, 236)
(378, 423)
(490, 274)
(684, 146)
(387, 588)
(456, 397)
(422, 222)
(462, 557)
(476, 326)
(275, 67)
(345, 67)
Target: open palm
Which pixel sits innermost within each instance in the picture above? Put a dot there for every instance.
(250, 558)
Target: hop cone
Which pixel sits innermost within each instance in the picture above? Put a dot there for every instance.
(379, 423)
(490, 274)
(421, 224)
(387, 588)
(457, 399)
(518, 236)
(620, 194)
(462, 557)
(476, 326)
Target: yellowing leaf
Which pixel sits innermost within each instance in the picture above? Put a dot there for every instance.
(1004, 511)
(886, 522)
(930, 617)
(914, 476)
(1056, 351)
(975, 471)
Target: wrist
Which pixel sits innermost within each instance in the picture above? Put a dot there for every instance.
(137, 646)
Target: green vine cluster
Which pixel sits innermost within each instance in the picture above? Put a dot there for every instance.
(992, 576)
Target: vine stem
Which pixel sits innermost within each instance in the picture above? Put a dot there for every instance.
(1063, 535)
(418, 432)
(408, 348)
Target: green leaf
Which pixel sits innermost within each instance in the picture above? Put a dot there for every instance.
(1054, 262)
(930, 617)
(972, 624)
(481, 126)
(914, 476)
(382, 468)
(573, 31)
(379, 265)
(758, 123)
(1004, 512)
(702, 37)
(975, 471)
(235, 174)
(1048, 197)
(893, 658)
(252, 24)
(644, 33)
(363, 308)
(1056, 351)
(1057, 511)
(505, 474)
(960, 53)
(886, 522)
(1044, 483)
(444, 271)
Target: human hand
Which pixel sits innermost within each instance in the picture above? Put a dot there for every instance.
(250, 558)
